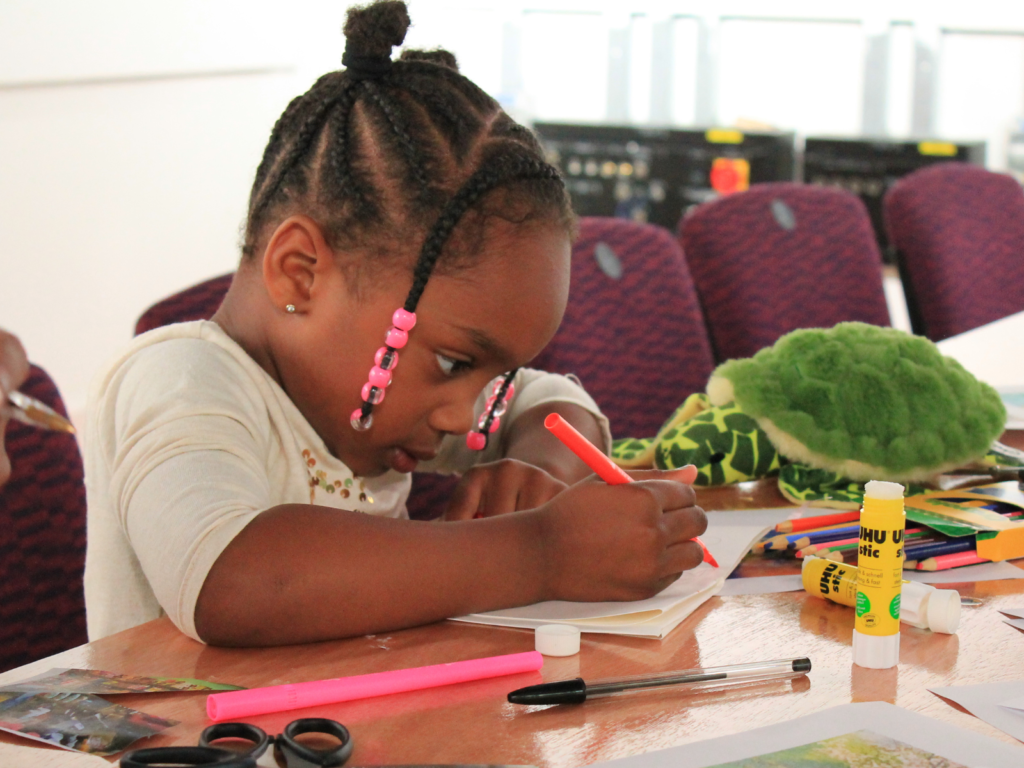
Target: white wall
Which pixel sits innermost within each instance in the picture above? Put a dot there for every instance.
(130, 129)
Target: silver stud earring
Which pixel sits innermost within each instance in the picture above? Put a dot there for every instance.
(289, 308)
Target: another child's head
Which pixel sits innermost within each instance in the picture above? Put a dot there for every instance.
(391, 184)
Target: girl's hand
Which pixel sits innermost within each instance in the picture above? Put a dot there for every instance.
(13, 370)
(502, 486)
(621, 542)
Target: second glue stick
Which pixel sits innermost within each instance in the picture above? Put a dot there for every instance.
(876, 634)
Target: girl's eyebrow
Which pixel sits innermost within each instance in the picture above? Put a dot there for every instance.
(486, 344)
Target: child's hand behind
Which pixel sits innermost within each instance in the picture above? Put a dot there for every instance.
(621, 542)
(501, 486)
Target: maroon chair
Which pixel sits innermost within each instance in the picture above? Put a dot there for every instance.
(959, 235)
(782, 256)
(42, 538)
(633, 331)
(199, 302)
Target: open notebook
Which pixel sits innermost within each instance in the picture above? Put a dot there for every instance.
(729, 536)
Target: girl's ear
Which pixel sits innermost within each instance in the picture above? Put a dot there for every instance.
(297, 254)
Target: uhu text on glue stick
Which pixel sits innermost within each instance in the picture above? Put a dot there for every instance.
(921, 605)
(876, 633)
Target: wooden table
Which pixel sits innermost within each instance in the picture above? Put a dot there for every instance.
(473, 723)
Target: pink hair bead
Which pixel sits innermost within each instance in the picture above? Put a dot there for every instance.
(386, 358)
(371, 394)
(476, 441)
(379, 377)
(403, 320)
(396, 338)
(495, 423)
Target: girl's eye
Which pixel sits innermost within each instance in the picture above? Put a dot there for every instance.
(450, 365)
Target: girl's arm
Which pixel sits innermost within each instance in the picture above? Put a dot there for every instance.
(529, 441)
(300, 573)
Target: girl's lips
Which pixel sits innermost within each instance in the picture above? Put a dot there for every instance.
(402, 461)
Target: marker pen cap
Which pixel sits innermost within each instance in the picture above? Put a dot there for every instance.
(557, 640)
(926, 607)
(876, 651)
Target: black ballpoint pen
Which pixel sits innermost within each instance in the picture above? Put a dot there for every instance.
(577, 691)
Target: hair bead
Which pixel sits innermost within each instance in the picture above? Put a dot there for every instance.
(396, 338)
(403, 319)
(372, 395)
(379, 377)
(386, 358)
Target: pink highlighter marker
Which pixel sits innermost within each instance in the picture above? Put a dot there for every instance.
(603, 467)
(280, 698)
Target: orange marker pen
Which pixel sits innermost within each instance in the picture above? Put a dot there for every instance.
(603, 467)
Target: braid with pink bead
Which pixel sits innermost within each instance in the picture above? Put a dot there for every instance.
(495, 172)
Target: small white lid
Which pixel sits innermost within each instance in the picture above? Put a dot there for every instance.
(883, 490)
(944, 611)
(876, 652)
(557, 640)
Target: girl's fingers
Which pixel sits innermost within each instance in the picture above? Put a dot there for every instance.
(684, 525)
(683, 556)
(668, 494)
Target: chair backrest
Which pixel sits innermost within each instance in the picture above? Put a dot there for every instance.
(959, 236)
(782, 256)
(199, 302)
(633, 330)
(42, 538)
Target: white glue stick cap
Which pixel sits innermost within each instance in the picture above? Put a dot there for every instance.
(881, 489)
(944, 611)
(557, 640)
(876, 652)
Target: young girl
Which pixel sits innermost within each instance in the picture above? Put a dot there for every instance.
(248, 477)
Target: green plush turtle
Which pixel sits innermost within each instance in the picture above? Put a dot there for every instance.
(830, 408)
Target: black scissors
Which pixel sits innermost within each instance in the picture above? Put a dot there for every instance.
(288, 751)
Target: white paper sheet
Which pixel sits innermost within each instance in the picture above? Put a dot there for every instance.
(1017, 613)
(729, 537)
(761, 585)
(1017, 623)
(983, 701)
(18, 756)
(980, 572)
(991, 352)
(970, 749)
(1014, 704)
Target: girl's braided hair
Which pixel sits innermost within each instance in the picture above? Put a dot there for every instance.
(385, 150)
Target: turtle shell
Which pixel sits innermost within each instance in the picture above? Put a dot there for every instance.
(866, 402)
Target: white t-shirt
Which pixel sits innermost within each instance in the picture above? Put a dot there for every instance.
(189, 439)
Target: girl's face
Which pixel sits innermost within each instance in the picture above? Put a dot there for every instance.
(472, 326)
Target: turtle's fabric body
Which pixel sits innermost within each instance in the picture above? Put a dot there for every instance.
(830, 409)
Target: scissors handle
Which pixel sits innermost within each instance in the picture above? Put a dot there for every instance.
(209, 756)
(294, 751)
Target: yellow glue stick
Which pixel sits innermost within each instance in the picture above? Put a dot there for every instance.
(921, 605)
(876, 633)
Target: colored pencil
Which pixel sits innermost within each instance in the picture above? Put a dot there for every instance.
(815, 523)
(909, 565)
(934, 549)
(801, 540)
(916, 534)
(955, 560)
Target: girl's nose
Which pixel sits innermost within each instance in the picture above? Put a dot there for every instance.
(453, 416)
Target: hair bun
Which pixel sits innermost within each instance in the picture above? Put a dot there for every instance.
(437, 56)
(374, 29)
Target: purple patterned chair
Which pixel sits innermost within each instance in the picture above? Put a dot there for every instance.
(42, 538)
(959, 235)
(633, 331)
(779, 257)
(199, 302)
